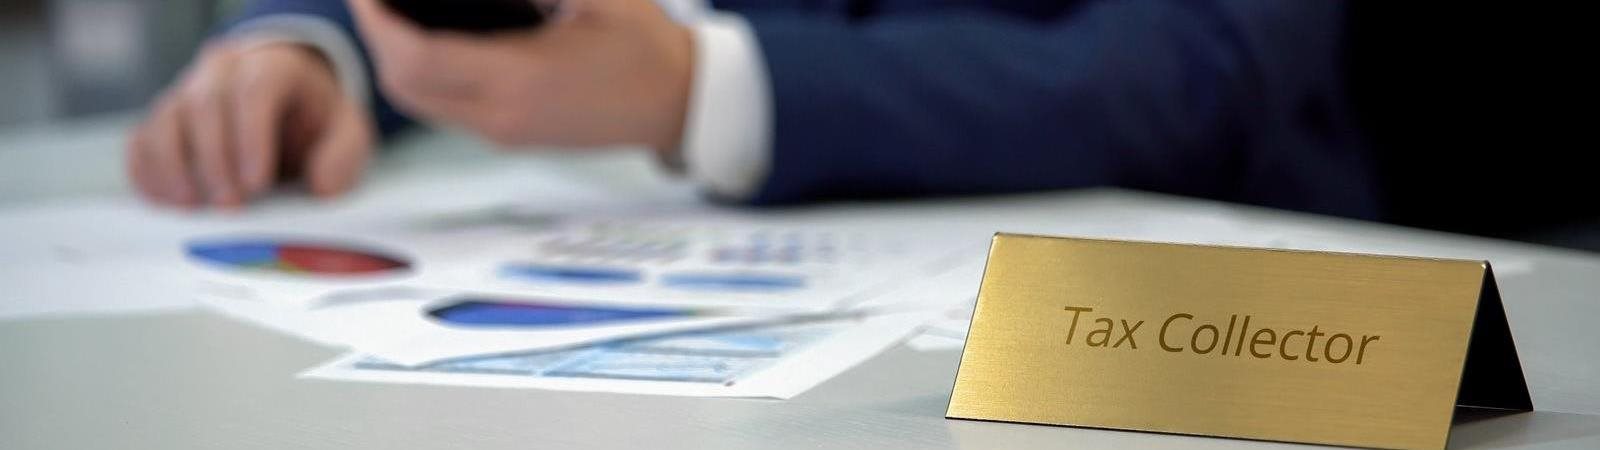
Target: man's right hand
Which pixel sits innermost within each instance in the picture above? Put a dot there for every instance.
(242, 117)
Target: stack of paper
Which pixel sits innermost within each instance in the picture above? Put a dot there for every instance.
(575, 287)
(497, 281)
(687, 301)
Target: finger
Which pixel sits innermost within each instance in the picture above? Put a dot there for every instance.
(258, 102)
(436, 106)
(501, 74)
(141, 168)
(339, 157)
(167, 155)
(207, 128)
(482, 117)
(459, 64)
(384, 32)
(410, 58)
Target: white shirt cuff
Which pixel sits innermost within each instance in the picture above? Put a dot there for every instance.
(315, 32)
(727, 135)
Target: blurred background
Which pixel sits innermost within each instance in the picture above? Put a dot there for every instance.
(63, 59)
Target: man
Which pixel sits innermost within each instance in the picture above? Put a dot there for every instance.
(772, 101)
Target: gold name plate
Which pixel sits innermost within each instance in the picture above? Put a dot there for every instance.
(1315, 347)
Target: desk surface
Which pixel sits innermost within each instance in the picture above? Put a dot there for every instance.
(192, 379)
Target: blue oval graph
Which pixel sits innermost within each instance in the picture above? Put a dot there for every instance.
(484, 312)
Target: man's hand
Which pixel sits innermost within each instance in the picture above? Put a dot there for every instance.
(600, 72)
(242, 113)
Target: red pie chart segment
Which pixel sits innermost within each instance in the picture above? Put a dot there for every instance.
(335, 261)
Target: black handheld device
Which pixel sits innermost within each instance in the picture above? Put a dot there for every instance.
(471, 15)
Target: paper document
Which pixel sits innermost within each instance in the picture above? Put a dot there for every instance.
(90, 257)
(948, 331)
(412, 327)
(773, 361)
(708, 259)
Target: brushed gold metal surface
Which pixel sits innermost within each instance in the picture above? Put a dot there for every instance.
(1027, 360)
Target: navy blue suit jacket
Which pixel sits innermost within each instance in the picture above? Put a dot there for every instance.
(1239, 100)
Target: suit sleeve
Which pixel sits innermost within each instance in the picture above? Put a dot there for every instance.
(335, 12)
(1188, 97)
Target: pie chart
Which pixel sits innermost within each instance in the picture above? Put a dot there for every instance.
(482, 312)
(296, 257)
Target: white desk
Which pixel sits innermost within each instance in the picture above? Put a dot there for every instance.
(195, 380)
